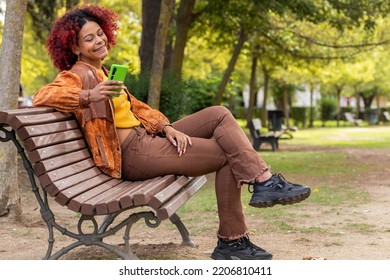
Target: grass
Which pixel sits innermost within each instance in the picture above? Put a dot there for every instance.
(357, 137)
(315, 164)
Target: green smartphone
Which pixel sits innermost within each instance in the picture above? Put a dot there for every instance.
(117, 73)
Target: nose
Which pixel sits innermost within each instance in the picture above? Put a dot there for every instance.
(99, 40)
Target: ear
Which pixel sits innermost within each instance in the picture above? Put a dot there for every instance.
(75, 50)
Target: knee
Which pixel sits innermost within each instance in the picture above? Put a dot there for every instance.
(220, 111)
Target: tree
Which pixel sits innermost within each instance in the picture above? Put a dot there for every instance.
(43, 13)
(150, 18)
(184, 19)
(10, 68)
(167, 7)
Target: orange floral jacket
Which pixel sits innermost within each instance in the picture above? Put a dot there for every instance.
(69, 93)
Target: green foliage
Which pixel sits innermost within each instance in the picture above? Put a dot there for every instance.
(279, 88)
(201, 93)
(286, 31)
(328, 109)
(178, 98)
(300, 115)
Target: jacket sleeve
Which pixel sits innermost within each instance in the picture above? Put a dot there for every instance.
(64, 93)
(153, 120)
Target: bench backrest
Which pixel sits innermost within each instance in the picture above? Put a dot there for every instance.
(254, 128)
(349, 117)
(386, 114)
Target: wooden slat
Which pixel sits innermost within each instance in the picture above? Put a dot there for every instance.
(66, 171)
(51, 139)
(76, 178)
(5, 116)
(88, 206)
(178, 200)
(145, 194)
(48, 128)
(59, 149)
(127, 199)
(158, 199)
(76, 202)
(60, 161)
(114, 196)
(18, 121)
(114, 204)
(64, 196)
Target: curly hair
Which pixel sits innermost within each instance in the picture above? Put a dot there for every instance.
(63, 36)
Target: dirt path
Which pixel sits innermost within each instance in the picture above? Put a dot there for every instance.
(338, 232)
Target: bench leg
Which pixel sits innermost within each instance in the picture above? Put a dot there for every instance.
(175, 219)
(256, 144)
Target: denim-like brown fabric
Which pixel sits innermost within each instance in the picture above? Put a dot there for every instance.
(219, 145)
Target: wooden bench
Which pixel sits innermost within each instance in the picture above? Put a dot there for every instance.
(259, 138)
(349, 117)
(55, 153)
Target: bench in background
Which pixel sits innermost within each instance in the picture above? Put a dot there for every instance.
(349, 117)
(55, 153)
(259, 138)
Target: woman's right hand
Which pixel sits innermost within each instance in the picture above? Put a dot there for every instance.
(105, 90)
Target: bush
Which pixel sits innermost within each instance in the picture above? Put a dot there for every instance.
(178, 98)
(299, 114)
(328, 109)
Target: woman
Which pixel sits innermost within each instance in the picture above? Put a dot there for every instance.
(130, 140)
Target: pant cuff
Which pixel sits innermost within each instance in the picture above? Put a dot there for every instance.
(251, 181)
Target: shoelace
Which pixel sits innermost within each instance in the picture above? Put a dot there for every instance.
(244, 243)
(272, 185)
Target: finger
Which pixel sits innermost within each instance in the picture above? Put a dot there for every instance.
(172, 140)
(184, 145)
(113, 83)
(188, 142)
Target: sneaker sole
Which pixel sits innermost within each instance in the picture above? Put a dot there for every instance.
(220, 256)
(282, 201)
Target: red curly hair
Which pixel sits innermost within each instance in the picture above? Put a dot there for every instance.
(63, 36)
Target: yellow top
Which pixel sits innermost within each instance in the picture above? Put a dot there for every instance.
(124, 117)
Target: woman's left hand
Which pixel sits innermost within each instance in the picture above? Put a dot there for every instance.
(178, 139)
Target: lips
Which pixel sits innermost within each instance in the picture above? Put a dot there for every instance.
(101, 49)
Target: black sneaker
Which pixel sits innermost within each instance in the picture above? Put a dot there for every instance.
(240, 249)
(277, 190)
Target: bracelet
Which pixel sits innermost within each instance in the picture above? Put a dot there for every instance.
(162, 131)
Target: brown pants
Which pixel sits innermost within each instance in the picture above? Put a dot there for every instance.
(218, 145)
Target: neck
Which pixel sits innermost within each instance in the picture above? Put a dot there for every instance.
(97, 65)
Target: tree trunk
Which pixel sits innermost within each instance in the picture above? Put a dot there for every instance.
(263, 112)
(311, 109)
(183, 22)
(10, 68)
(338, 106)
(167, 7)
(150, 17)
(252, 89)
(225, 80)
(285, 106)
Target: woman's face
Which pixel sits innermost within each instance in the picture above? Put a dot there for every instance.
(91, 44)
